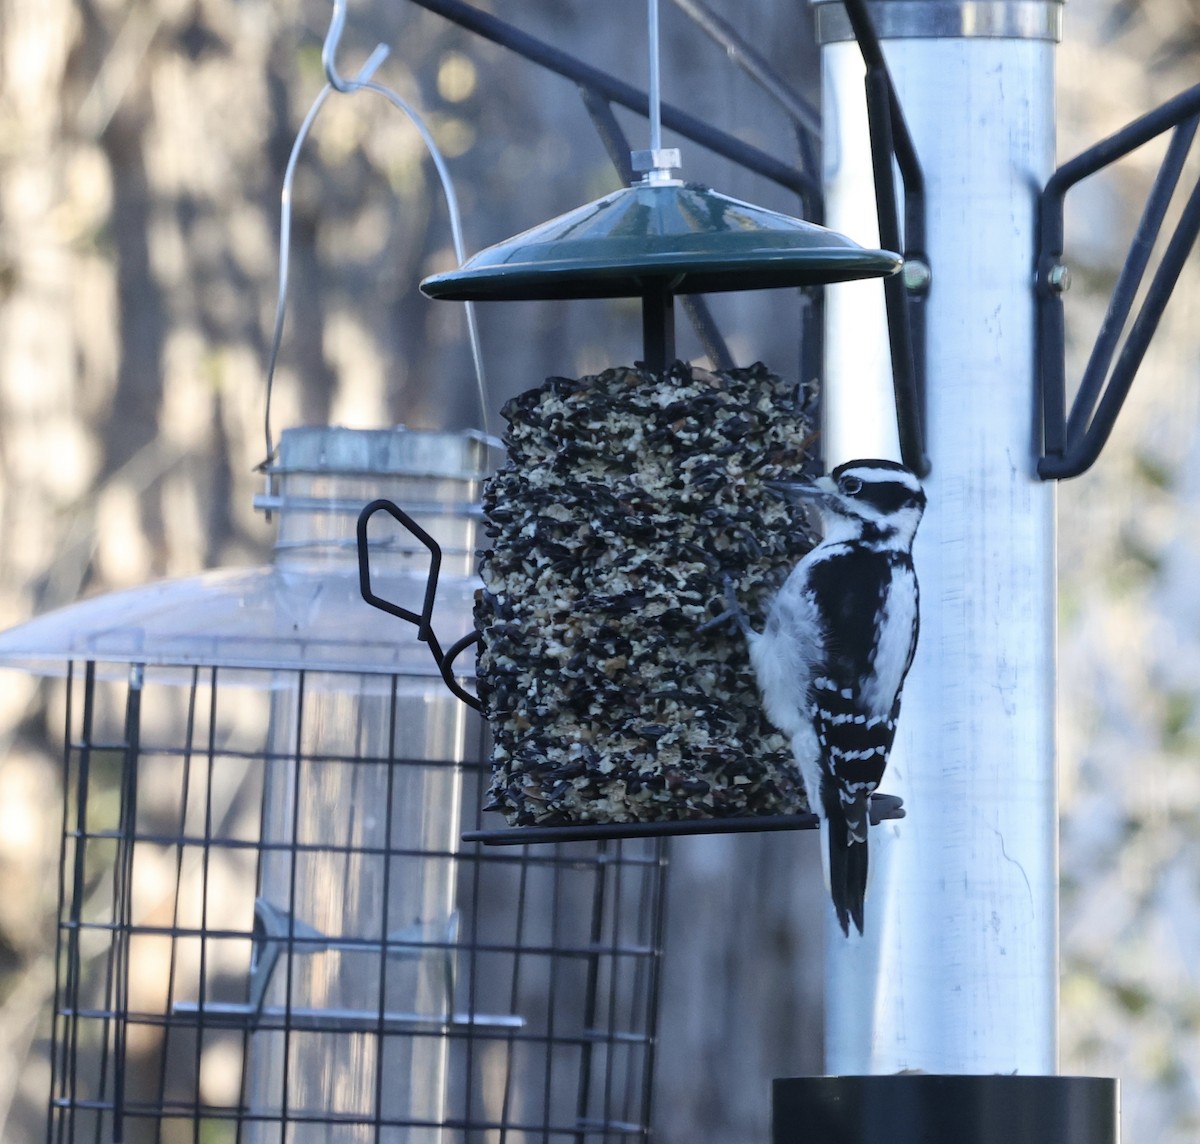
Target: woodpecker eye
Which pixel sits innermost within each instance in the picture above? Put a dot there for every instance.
(851, 486)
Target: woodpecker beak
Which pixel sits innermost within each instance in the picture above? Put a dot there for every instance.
(821, 490)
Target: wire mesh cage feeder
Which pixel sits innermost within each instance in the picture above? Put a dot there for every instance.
(268, 928)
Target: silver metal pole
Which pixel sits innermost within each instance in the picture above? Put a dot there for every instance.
(958, 971)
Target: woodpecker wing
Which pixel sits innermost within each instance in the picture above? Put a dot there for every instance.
(855, 695)
(855, 690)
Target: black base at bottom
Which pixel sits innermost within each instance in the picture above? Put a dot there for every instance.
(919, 1108)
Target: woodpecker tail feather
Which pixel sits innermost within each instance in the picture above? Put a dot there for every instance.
(847, 841)
(847, 880)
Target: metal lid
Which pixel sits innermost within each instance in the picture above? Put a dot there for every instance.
(386, 452)
(249, 623)
(683, 238)
(946, 19)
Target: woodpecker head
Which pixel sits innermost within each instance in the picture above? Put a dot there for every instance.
(872, 500)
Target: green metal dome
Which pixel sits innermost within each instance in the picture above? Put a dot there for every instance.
(679, 237)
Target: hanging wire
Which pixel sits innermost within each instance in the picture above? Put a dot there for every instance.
(335, 81)
(655, 81)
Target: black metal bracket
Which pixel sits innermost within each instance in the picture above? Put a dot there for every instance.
(1072, 442)
(904, 293)
(623, 94)
(423, 619)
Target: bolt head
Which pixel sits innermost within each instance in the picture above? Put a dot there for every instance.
(916, 275)
(1058, 278)
(664, 159)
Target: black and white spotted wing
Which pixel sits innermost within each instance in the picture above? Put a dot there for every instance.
(855, 697)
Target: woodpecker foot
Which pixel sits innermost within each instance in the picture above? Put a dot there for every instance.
(732, 611)
(886, 806)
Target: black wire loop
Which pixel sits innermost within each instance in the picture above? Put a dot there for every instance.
(423, 620)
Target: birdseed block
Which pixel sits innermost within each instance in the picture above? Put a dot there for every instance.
(627, 500)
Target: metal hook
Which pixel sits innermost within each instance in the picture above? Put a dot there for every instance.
(333, 39)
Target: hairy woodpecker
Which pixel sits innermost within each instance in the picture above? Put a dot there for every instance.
(838, 643)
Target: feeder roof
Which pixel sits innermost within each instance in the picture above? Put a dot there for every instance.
(248, 623)
(682, 237)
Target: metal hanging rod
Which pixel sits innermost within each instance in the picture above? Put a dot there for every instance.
(805, 118)
(655, 93)
(754, 64)
(1072, 442)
